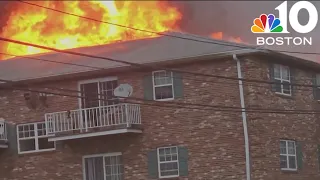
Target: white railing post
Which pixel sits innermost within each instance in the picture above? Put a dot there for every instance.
(81, 120)
(5, 135)
(47, 124)
(127, 114)
(86, 120)
(139, 114)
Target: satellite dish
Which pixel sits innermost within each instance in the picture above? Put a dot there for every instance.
(123, 90)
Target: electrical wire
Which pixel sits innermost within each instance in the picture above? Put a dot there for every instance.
(99, 68)
(183, 105)
(165, 34)
(74, 53)
(190, 106)
(148, 66)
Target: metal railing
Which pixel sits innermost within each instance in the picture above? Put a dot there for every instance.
(84, 119)
(3, 131)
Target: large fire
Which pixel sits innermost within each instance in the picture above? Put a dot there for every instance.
(221, 36)
(45, 27)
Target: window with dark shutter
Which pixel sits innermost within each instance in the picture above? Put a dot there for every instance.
(104, 167)
(168, 162)
(288, 155)
(281, 74)
(163, 85)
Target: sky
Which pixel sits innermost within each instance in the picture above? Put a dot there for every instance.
(233, 18)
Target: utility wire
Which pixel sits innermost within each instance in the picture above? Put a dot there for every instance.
(185, 105)
(99, 68)
(74, 53)
(147, 66)
(169, 35)
(182, 105)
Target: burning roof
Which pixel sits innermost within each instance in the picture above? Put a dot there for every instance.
(157, 49)
(41, 26)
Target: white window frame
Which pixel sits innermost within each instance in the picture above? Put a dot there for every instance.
(287, 155)
(155, 86)
(104, 163)
(95, 80)
(281, 79)
(36, 139)
(177, 161)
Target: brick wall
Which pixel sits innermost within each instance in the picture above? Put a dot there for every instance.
(214, 139)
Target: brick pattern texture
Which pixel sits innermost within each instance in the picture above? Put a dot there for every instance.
(214, 138)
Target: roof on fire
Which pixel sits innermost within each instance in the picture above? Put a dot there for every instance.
(164, 48)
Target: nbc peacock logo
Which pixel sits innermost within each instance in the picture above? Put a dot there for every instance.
(270, 24)
(266, 24)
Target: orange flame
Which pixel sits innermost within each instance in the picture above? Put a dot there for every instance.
(45, 27)
(220, 36)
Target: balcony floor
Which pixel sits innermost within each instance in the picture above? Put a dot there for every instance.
(3, 144)
(98, 131)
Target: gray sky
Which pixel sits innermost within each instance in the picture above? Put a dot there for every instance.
(231, 17)
(236, 17)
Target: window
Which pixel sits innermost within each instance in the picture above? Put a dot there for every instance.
(282, 75)
(163, 85)
(98, 92)
(288, 157)
(168, 162)
(103, 167)
(33, 138)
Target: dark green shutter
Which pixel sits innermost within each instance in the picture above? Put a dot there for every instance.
(314, 89)
(178, 85)
(319, 156)
(183, 161)
(299, 155)
(12, 138)
(153, 164)
(271, 73)
(148, 87)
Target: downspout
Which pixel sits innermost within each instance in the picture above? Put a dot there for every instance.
(244, 119)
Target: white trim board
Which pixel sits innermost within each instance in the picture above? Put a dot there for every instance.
(4, 146)
(118, 131)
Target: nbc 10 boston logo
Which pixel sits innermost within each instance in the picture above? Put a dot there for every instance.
(270, 24)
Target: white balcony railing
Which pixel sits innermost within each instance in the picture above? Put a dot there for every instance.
(86, 119)
(3, 131)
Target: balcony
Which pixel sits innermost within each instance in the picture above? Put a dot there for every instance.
(3, 134)
(96, 121)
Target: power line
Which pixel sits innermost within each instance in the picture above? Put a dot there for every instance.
(169, 35)
(140, 64)
(99, 68)
(184, 105)
(147, 66)
(176, 105)
(47, 60)
(93, 67)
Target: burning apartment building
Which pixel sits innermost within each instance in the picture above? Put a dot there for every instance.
(153, 106)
